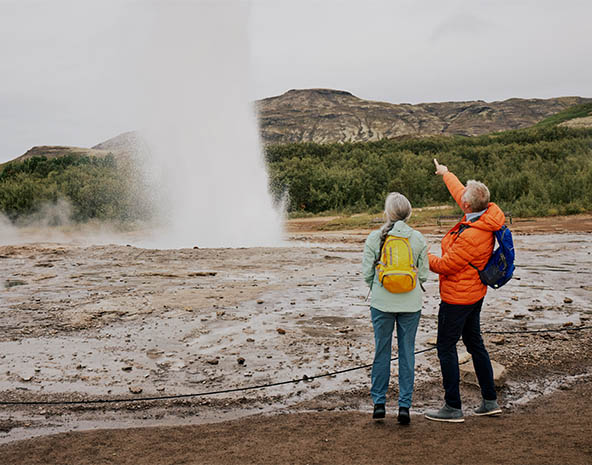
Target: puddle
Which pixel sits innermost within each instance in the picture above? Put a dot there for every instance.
(521, 393)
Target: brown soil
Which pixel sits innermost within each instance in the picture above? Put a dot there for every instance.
(128, 291)
(549, 224)
(546, 432)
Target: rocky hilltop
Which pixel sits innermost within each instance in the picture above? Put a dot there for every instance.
(54, 151)
(122, 147)
(326, 115)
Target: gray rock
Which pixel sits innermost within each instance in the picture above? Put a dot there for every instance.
(468, 376)
(463, 357)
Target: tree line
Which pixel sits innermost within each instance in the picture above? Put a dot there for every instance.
(544, 170)
(95, 188)
(536, 171)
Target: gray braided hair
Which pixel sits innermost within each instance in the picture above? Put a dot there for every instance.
(396, 208)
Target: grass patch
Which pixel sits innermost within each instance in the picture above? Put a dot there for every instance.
(577, 111)
(421, 217)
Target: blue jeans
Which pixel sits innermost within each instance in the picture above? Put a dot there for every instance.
(455, 321)
(384, 323)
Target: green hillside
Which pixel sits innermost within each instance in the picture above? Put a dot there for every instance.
(577, 111)
(95, 188)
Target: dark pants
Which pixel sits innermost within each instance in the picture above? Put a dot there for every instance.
(455, 321)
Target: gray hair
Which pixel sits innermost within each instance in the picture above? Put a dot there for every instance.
(396, 208)
(476, 195)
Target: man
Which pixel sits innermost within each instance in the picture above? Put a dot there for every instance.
(467, 245)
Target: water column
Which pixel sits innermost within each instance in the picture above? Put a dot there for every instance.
(196, 114)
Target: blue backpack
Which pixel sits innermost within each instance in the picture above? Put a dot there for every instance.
(500, 267)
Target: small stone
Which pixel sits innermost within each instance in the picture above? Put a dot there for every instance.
(498, 339)
(463, 357)
(127, 368)
(568, 323)
(281, 330)
(250, 339)
(135, 389)
(567, 300)
(514, 298)
(260, 301)
(432, 341)
(212, 361)
(467, 374)
(240, 360)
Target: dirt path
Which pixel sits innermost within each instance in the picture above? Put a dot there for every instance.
(548, 432)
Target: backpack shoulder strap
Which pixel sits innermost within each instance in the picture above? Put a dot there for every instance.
(382, 241)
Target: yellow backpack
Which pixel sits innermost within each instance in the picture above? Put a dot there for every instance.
(396, 269)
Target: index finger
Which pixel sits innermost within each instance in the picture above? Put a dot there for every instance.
(436, 163)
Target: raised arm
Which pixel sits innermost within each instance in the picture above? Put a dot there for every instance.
(455, 187)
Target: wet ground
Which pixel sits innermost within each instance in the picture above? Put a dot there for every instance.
(114, 321)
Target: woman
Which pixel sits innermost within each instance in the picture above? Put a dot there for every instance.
(388, 308)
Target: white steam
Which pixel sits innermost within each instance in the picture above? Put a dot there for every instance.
(201, 129)
(9, 234)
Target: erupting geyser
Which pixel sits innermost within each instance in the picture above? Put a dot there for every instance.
(199, 123)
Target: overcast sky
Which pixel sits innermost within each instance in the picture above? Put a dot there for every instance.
(64, 64)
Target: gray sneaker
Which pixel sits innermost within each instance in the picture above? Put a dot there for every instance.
(488, 407)
(446, 413)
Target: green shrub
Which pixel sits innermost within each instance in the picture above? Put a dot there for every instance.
(528, 171)
(94, 188)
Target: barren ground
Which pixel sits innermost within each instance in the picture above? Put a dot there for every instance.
(84, 322)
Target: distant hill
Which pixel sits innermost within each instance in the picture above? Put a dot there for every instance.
(126, 143)
(326, 115)
(53, 151)
(578, 116)
(122, 147)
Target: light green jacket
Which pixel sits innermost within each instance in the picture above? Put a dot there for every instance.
(382, 299)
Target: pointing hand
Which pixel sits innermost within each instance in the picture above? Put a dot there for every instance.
(440, 169)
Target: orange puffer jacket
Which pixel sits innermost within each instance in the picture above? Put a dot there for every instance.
(459, 281)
